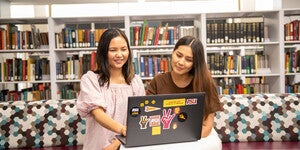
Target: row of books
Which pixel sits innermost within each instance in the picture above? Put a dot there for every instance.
(17, 69)
(292, 61)
(38, 91)
(145, 35)
(291, 87)
(226, 64)
(69, 91)
(291, 31)
(244, 89)
(149, 66)
(220, 31)
(251, 85)
(77, 38)
(11, 38)
(75, 66)
(295, 88)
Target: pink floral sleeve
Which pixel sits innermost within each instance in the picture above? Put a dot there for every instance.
(91, 95)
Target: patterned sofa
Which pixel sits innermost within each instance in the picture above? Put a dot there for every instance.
(272, 117)
(263, 118)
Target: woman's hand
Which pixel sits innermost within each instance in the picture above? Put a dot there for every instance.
(207, 125)
(113, 146)
(123, 130)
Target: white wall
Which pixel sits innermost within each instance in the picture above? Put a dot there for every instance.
(143, 8)
(4, 9)
(290, 4)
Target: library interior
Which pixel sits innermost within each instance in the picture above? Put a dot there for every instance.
(251, 49)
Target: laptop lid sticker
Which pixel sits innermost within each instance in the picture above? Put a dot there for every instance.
(143, 122)
(135, 111)
(167, 118)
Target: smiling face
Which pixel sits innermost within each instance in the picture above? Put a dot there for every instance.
(182, 60)
(118, 52)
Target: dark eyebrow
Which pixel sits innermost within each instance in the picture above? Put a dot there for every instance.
(116, 47)
(179, 52)
(190, 57)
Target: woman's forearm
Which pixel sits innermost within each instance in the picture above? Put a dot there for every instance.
(107, 122)
(207, 125)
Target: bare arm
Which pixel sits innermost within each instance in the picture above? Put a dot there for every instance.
(107, 122)
(207, 125)
(113, 146)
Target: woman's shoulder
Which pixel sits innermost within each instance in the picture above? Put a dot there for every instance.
(136, 77)
(163, 76)
(89, 75)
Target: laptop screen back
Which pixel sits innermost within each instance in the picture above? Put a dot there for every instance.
(165, 118)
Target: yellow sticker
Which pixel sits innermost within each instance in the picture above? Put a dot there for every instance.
(151, 108)
(153, 102)
(142, 104)
(176, 110)
(174, 102)
(156, 130)
(174, 126)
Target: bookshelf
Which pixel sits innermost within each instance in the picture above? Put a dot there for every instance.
(156, 48)
(241, 46)
(273, 47)
(66, 85)
(25, 70)
(291, 50)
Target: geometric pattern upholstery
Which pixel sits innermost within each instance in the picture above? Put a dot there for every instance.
(259, 117)
(255, 117)
(40, 124)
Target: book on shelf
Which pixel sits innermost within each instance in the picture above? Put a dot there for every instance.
(75, 65)
(291, 31)
(78, 38)
(151, 65)
(146, 66)
(142, 34)
(151, 34)
(252, 62)
(11, 38)
(86, 62)
(1, 72)
(93, 60)
(291, 86)
(251, 85)
(31, 69)
(37, 91)
(235, 30)
(224, 64)
(292, 63)
(98, 34)
(136, 35)
(68, 91)
(142, 66)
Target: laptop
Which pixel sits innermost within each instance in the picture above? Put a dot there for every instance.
(163, 119)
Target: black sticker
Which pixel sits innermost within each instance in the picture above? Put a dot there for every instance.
(182, 117)
(135, 111)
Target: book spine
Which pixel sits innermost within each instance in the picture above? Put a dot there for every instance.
(142, 66)
(150, 66)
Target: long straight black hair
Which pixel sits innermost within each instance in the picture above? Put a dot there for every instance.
(203, 81)
(103, 68)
